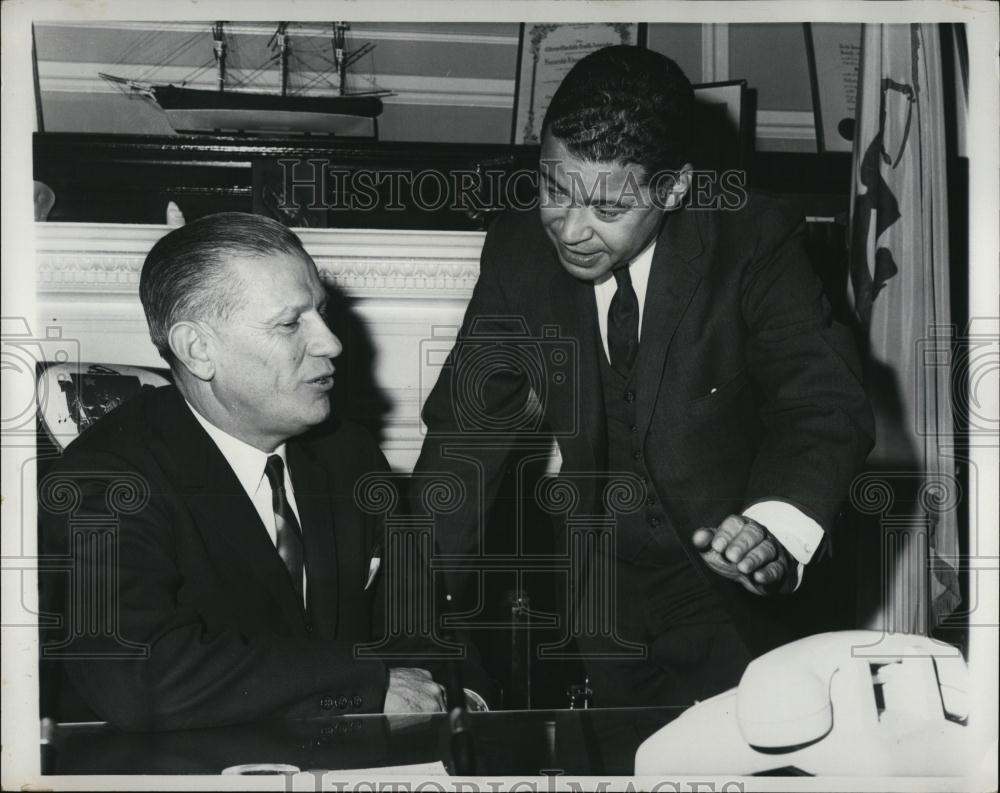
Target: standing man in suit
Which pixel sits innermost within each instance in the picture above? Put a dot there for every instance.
(240, 576)
(704, 367)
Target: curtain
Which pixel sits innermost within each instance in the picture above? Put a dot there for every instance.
(900, 289)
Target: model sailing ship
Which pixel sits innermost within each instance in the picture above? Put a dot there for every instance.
(236, 108)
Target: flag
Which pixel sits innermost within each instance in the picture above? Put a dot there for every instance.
(900, 288)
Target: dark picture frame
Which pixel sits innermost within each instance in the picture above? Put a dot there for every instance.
(724, 119)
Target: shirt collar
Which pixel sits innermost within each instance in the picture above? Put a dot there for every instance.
(246, 461)
(641, 265)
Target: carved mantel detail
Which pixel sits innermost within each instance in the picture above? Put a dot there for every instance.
(80, 259)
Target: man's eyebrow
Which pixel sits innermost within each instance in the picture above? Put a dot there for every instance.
(286, 311)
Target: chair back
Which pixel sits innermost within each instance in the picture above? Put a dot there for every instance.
(72, 396)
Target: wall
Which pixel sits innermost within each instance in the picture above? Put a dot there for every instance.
(453, 81)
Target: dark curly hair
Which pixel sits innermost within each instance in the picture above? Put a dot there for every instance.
(625, 104)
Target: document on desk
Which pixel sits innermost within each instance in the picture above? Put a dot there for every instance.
(415, 769)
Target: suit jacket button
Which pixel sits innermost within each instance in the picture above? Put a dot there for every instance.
(326, 703)
(630, 395)
(636, 455)
(356, 701)
(309, 627)
(654, 522)
(342, 703)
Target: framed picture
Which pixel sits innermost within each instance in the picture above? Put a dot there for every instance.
(724, 123)
(545, 54)
(834, 52)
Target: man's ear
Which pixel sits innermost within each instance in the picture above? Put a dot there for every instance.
(672, 197)
(190, 344)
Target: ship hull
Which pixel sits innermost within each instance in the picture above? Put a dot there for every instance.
(193, 110)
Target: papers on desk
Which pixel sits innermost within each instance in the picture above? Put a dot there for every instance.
(413, 770)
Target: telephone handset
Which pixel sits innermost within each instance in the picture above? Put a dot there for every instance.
(845, 703)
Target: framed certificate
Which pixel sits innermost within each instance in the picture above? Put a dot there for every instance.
(545, 54)
(834, 52)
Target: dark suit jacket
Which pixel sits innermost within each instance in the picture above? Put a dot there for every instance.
(746, 389)
(201, 625)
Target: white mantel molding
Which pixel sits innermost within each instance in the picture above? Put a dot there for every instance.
(82, 259)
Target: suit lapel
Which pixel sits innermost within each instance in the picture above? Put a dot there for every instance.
(673, 279)
(222, 513)
(575, 309)
(312, 496)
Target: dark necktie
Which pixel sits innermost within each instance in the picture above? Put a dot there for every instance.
(285, 524)
(623, 323)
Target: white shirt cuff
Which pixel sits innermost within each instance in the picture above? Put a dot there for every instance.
(797, 532)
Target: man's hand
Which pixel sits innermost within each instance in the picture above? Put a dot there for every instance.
(743, 550)
(413, 691)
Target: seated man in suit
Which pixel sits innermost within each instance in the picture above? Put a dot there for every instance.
(687, 363)
(220, 570)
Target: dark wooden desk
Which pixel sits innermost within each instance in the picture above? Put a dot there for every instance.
(577, 742)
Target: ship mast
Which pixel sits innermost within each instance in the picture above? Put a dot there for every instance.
(283, 53)
(340, 53)
(344, 59)
(220, 54)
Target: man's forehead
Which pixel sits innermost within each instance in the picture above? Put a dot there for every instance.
(557, 161)
(604, 181)
(272, 263)
(273, 276)
(560, 168)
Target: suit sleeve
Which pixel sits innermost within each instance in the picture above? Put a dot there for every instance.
(142, 660)
(468, 440)
(818, 425)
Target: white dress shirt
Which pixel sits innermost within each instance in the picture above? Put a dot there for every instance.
(248, 464)
(796, 531)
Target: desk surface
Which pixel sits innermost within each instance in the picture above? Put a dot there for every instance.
(584, 742)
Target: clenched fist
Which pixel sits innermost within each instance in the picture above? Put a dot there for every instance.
(742, 550)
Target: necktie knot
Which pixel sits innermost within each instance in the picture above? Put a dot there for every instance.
(623, 278)
(274, 469)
